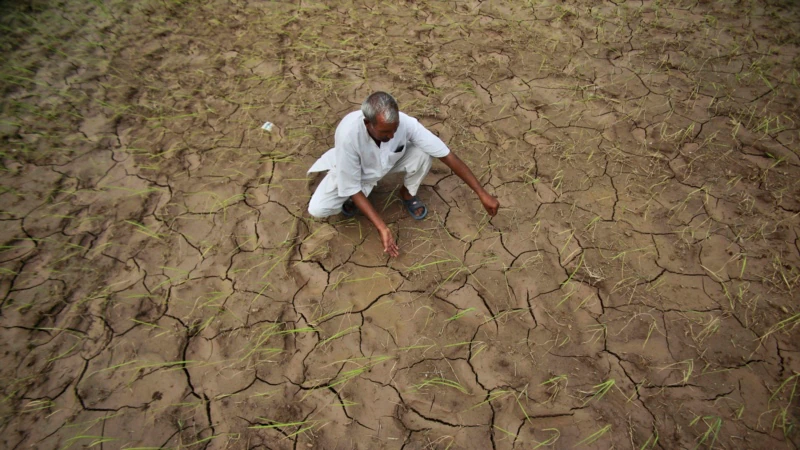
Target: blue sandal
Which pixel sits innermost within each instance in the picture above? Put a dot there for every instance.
(412, 205)
(349, 208)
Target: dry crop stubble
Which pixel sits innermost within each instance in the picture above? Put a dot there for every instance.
(636, 289)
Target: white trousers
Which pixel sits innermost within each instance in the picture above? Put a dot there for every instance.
(326, 201)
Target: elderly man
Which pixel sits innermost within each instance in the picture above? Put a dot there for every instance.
(372, 143)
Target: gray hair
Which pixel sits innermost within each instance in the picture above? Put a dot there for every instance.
(380, 104)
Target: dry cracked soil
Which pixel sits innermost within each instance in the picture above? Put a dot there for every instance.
(162, 285)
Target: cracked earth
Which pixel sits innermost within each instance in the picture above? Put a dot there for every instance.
(163, 286)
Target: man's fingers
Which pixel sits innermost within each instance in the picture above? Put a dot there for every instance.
(490, 203)
(392, 251)
(390, 247)
(492, 209)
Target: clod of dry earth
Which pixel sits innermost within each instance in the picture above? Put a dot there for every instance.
(162, 285)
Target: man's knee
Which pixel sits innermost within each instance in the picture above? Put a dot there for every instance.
(420, 165)
(419, 160)
(320, 204)
(318, 211)
(426, 163)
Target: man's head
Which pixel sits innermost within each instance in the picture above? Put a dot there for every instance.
(381, 116)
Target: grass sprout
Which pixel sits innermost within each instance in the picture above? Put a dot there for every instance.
(709, 436)
(592, 438)
(600, 390)
(439, 381)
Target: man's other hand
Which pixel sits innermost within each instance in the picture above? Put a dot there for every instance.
(490, 203)
(389, 245)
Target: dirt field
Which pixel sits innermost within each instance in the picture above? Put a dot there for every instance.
(163, 286)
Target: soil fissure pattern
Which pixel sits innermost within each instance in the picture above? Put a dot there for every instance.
(163, 286)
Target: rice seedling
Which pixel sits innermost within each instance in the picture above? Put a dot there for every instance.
(572, 274)
(686, 367)
(315, 322)
(506, 432)
(555, 385)
(710, 327)
(345, 279)
(785, 326)
(600, 390)
(594, 437)
(739, 412)
(521, 406)
(439, 381)
(93, 441)
(555, 434)
(566, 297)
(140, 228)
(288, 429)
(233, 436)
(340, 334)
(460, 314)
(783, 418)
(416, 347)
(651, 441)
(66, 352)
(477, 349)
(269, 331)
(711, 433)
(492, 396)
(598, 332)
(653, 326)
(346, 375)
(37, 405)
(459, 344)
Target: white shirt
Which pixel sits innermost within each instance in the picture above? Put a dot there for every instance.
(358, 161)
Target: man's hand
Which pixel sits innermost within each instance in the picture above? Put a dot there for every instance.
(490, 203)
(458, 167)
(389, 246)
(387, 239)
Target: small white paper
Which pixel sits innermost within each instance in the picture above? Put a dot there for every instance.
(267, 126)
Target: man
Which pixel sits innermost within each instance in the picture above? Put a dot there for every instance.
(372, 143)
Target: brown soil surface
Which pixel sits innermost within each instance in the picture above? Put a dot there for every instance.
(163, 286)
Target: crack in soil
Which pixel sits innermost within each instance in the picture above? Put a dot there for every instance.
(158, 269)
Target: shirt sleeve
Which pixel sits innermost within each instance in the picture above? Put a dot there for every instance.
(428, 142)
(348, 168)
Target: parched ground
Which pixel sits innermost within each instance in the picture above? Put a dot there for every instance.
(163, 286)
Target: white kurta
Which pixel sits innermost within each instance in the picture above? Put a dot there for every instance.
(356, 163)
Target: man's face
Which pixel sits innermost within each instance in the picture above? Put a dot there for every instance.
(380, 130)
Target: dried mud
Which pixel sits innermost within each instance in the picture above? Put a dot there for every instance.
(163, 286)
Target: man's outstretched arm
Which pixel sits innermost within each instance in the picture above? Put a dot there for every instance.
(363, 204)
(458, 167)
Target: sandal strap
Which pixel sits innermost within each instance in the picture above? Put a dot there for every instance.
(414, 203)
